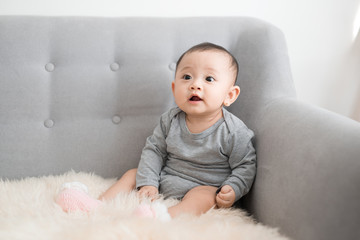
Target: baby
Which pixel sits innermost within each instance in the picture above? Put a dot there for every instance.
(199, 152)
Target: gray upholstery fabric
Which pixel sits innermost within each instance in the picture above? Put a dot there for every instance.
(84, 93)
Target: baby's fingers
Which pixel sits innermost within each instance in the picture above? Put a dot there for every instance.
(222, 203)
(226, 189)
(148, 192)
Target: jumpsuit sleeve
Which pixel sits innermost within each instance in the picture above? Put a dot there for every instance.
(153, 157)
(242, 161)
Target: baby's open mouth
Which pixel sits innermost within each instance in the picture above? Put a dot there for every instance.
(195, 98)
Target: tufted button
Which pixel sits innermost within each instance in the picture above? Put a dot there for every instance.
(116, 119)
(172, 66)
(49, 123)
(50, 67)
(114, 66)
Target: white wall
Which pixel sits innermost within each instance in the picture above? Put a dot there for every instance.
(325, 55)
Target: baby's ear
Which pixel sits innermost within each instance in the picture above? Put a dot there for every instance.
(173, 86)
(232, 95)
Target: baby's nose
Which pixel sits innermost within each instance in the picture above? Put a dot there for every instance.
(196, 85)
(195, 88)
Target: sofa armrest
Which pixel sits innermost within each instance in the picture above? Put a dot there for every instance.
(308, 177)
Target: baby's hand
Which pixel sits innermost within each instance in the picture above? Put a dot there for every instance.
(226, 197)
(148, 191)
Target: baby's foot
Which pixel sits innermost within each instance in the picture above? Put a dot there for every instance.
(73, 196)
(155, 210)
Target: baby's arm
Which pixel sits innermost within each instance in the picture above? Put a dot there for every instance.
(152, 158)
(242, 161)
(226, 197)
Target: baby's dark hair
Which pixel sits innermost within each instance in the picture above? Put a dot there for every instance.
(205, 46)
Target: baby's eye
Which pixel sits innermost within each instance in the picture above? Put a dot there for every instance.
(187, 77)
(210, 79)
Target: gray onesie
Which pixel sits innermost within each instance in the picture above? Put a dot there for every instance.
(176, 160)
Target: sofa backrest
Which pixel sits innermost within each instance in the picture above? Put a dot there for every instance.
(83, 93)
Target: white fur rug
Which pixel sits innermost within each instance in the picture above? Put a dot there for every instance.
(28, 211)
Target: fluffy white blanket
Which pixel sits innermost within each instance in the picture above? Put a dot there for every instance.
(28, 211)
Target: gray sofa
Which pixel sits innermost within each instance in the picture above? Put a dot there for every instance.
(83, 93)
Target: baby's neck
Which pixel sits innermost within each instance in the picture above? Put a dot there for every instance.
(198, 124)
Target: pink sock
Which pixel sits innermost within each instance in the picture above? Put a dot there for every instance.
(74, 197)
(155, 210)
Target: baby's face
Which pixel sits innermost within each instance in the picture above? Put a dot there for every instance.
(202, 83)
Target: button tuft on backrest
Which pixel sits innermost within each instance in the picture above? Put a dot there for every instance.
(172, 66)
(50, 67)
(49, 123)
(116, 119)
(114, 67)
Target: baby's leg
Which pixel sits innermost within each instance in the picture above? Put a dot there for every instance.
(126, 184)
(74, 195)
(197, 201)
